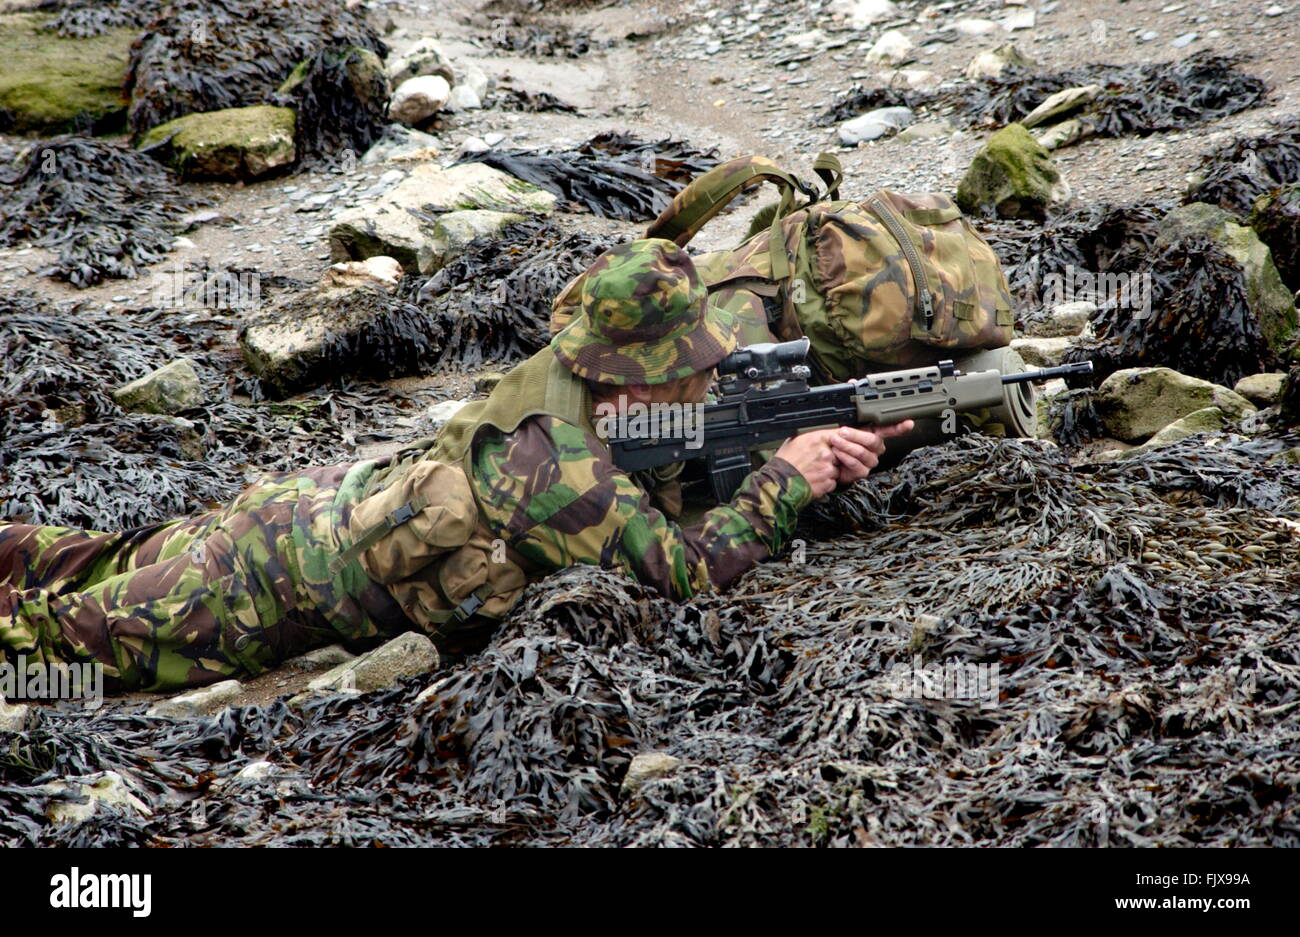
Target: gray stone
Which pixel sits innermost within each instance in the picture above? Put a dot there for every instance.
(926, 130)
(1206, 420)
(170, 389)
(1012, 176)
(1041, 352)
(874, 124)
(1064, 319)
(405, 656)
(322, 658)
(453, 232)
(975, 26)
(862, 13)
(401, 144)
(75, 799)
(424, 58)
(1186, 39)
(1264, 390)
(1271, 301)
(646, 767)
(463, 98)
(1059, 136)
(236, 143)
(1060, 104)
(418, 99)
(991, 64)
(487, 381)
(473, 78)
(892, 48)
(258, 771)
(386, 227)
(201, 702)
(1136, 403)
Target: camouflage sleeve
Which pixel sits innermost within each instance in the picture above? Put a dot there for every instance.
(553, 493)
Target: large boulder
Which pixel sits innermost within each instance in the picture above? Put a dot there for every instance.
(1276, 219)
(170, 389)
(452, 233)
(309, 338)
(1013, 177)
(236, 143)
(1263, 390)
(50, 84)
(405, 656)
(1207, 420)
(1268, 296)
(1136, 403)
(401, 222)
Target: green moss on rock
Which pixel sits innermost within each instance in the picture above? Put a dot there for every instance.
(236, 143)
(49, 84)
(1012, 176)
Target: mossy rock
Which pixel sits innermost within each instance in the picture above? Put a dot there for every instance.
(236, 143)
(51, 85)
(1269, 297)
(1012, 177)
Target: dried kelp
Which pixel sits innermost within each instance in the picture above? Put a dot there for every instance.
(1276, 219)
(1235, 174)
(81, 19)
(106, 209)
(492, 303)
(1134, 99)
(207, 55)
(1072, 420)
(857, 100)
(1192, 313)
(340, 97)
(519, 99)
(613, 175)
(1125, 634)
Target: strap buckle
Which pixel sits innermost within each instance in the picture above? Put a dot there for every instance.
(401, 515)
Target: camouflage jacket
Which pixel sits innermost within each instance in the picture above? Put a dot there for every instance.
(549, 496)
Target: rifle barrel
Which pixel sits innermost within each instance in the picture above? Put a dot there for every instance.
(1044, 374)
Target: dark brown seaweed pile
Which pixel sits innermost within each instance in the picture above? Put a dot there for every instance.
(493, 302)
(1235, 174)
(341, 106)
(612, 175)
(514, 34)
(1127, 632)
(207, 55)
(1199, 319)
(81, 19)
(858, 100)
(1276, 220)
(518, 99)
(69, 455)
(1135, 99)
(106, 210)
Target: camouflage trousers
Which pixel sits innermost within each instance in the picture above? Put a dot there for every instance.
(229, 593)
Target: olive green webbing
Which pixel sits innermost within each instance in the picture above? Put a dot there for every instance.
(713, 191)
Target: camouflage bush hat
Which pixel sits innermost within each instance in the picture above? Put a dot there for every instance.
(645, 319)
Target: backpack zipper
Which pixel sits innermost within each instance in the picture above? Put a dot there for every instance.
(923, 296)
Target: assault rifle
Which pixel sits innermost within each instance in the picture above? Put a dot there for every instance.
(765, 398)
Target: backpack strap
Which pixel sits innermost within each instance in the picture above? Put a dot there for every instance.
(709, 194)
(828, 169)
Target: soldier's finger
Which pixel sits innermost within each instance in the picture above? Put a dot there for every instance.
(846, 449)
(860, 437)
(895, 429)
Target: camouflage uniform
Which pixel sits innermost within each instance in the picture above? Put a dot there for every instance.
(290, 564)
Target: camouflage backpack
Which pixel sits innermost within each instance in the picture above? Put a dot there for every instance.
(892, 281)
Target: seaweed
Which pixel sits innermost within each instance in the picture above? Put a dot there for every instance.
(1276, 219)
(857, 100)
(612, 175)
(81, 19)
(1135, 621)
(341, 106)
(1135, 99)
(518, 99)
(106, 210)
(492, 304)
(1235, 174)
(547, 40)
(208, 55)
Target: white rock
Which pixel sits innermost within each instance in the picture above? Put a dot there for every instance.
(1061, 103)
(474, 78)
(426, 57)
(1022, 19)
(807, 40)
(443, 411)
(862, 13)
(379, 271)
(418, 99)
(406, 655)
(892, 48)
(474, 145)
(1186, 39)
(201, 702)
(646, 767)
(257, 770)
(14, 716)
(103, 787)
(492, 139)
(401, 143)
(975, 27)
(994, 62)
(874, 124)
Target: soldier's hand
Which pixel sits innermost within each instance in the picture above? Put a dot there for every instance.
(858, 451)
(812, 455)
